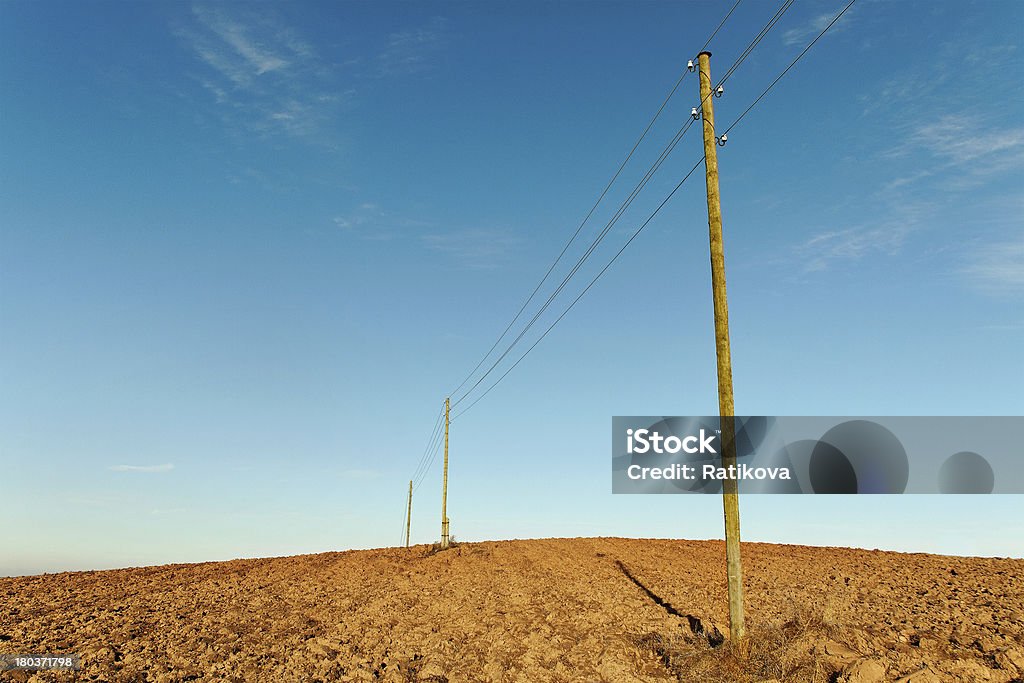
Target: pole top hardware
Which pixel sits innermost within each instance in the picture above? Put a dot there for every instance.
(722, 140)
(719, 90)
(690, 66)
(694, 113)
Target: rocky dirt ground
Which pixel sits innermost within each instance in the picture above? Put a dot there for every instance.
(602, 609)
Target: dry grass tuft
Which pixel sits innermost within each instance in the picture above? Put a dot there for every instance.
(782, 651)
(436, 547)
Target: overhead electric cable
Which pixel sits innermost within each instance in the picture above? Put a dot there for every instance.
(434, 443)
(426, 470)
(786, 4)
(720, 25)
(586, 255)
(430, 443)
(739, 60)
(428, 459)
(791, 65)
(601, 197)
(746, 52)
(585, 290)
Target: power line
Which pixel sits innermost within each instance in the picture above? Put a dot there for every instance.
(753, 44)
(574, 235)
(428, 459)
(433, 445)
(590, 213)
(757, 40)
(586, 289)
(668, 149)
(586, 255)
(425, 460)
(423, 475)
(791, 65)
(430, 454)
(430, 443)
(720, 25)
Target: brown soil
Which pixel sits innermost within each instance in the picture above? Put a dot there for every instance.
(603, 609)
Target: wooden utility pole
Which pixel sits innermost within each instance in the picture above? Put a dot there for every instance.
(730, 494)
(408, 516)
(444, 489)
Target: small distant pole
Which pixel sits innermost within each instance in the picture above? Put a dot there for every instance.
(726, 408)
(408, 516)
(444, 489)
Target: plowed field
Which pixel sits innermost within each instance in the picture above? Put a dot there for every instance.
(601, 609)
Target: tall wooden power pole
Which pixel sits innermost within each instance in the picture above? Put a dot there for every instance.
(408, 516)
(726, 408)
(444, 488)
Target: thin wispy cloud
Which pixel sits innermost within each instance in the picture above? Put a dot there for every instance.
(962, 150)
(916, 91)
(478, 249)
(998, 268)
(370, 221)
(885, 235)
(822, 250)
(366, 213)
(960, 139)
(233, 49)
(908, 89)
(151, 469)
(803, 34)
(261, 75)
(412, 51)
(932, 138)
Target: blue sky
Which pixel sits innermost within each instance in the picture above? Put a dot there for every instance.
(247, 249)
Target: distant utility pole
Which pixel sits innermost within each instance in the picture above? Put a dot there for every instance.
(730, 493)
(408, 516)
(444, 488)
